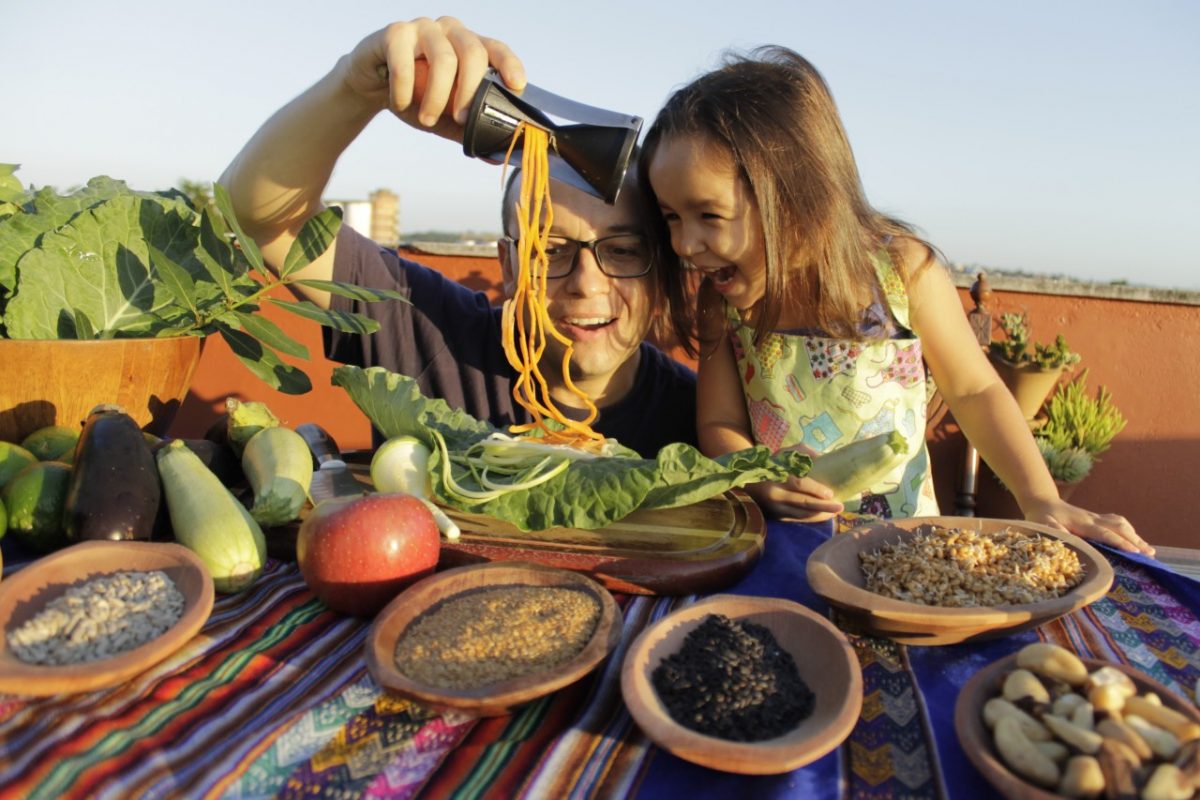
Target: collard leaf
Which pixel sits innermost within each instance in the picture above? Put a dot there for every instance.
(314, 239)
(265, 363)
(344, 321)
(99, 263)
(270, 334)
(249, 246)
(352, 291)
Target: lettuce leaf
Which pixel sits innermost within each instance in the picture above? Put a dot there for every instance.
(588, 494)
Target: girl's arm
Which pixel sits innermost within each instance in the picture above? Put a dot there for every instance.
(989, 415)
(723, 424)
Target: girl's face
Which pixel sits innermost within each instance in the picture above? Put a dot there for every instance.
(712, 216)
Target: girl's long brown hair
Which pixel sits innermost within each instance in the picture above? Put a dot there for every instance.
(774, 113)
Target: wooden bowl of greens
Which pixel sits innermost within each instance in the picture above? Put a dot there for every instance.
(792, 715)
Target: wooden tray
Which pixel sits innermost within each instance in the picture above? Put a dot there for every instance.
(699, 548)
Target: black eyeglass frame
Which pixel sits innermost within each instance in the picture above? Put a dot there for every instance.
(591, 246)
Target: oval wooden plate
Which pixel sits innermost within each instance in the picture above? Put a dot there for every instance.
(27, 592)
(499, 698)
(976, 739)
(823, 657)
(835, 573)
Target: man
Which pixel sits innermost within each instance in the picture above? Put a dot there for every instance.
(426, 72)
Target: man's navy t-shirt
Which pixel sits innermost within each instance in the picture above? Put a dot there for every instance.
(449, 340)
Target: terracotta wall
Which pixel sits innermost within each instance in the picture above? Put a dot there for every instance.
(1144, 352)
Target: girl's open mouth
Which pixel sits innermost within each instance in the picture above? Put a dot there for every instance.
(722, 278)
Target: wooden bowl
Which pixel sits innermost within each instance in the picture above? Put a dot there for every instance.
(499, 698)
(28, 591)
(834, 573)
(976, 739)
(823, 656)
(58, 381)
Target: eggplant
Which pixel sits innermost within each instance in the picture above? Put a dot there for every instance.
(114, 491)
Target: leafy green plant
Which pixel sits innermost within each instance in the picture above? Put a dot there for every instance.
(1014, 347)
(1076, 419)
(1066, 464)
(106, 261)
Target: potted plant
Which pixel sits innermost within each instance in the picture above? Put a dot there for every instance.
(1078, 427)
(106, 294)
(1029, 375)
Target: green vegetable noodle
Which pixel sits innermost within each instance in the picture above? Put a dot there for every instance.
(209, 520)
(280, 469)
(855, 468)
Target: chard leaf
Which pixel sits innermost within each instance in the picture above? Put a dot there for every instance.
(588, 494)
(217, 255)
(249, 246)
(352, 291)
(270, 334)
(176, 280)
(345, 321)
(264, 363)
(313, 240)
(99, 263)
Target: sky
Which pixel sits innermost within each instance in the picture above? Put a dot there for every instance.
(1057, 137)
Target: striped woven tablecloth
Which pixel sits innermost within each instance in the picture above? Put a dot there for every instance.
(273, 699)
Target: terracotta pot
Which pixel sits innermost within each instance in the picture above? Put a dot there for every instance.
(1029, 384)
(58, 381)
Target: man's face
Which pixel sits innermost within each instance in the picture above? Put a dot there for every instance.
(605, 318)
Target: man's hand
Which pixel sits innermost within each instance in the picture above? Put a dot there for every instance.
(426, 71)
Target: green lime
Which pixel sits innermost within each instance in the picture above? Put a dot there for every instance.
(35, 498)
(13, 459)
(52, 443)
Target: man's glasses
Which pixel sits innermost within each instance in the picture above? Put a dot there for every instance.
(623, 255)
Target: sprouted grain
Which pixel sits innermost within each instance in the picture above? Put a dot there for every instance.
(99, 619)
(484, 636)
(732, 680)
(956, 568)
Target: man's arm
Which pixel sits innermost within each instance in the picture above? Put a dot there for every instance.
(424, 71)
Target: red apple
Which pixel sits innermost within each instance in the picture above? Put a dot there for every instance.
(357, 553)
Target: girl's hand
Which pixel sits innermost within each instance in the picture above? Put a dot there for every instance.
(798, 500)
(1111, 529)
(426, 71)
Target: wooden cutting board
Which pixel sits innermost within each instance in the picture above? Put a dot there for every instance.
(699, 548)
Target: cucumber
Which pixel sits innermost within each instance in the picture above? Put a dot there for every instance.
(855, 468)
(208, 520)
(114, 491)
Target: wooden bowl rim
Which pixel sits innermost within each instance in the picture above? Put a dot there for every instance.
(796, 748)
(497, 698)
(834, 587)
(40, 680)
(976, 740)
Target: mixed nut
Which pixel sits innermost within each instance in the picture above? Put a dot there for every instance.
(1090, 734)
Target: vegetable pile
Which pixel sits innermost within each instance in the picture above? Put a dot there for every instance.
(534, 486)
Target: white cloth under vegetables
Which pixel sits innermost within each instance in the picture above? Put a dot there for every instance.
(101, 618)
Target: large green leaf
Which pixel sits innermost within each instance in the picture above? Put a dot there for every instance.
(588, 494)
(265, 363)
(270, 334)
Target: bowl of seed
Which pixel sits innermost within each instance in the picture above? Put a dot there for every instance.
(486, 638)
(751, 685)
(95, 614)
(946, 580)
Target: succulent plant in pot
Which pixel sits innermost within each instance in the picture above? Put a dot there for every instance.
(86, 273)
(1030, 374)
(1078, 427)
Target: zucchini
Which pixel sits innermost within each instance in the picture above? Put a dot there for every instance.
(243, 419)
(855, 468)
(114, 492)
(208, 520)
(279, 467)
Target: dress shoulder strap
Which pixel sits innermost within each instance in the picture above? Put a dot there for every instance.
(893, 287)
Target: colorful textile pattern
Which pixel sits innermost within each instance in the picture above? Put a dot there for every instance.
(273, 699)
(825, 393)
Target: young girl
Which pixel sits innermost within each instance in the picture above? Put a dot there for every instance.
(816, 315)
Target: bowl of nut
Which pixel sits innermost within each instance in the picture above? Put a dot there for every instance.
(486, 638)
(750, 685)
(1044, 723)
(945, 580)
(95, 614)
